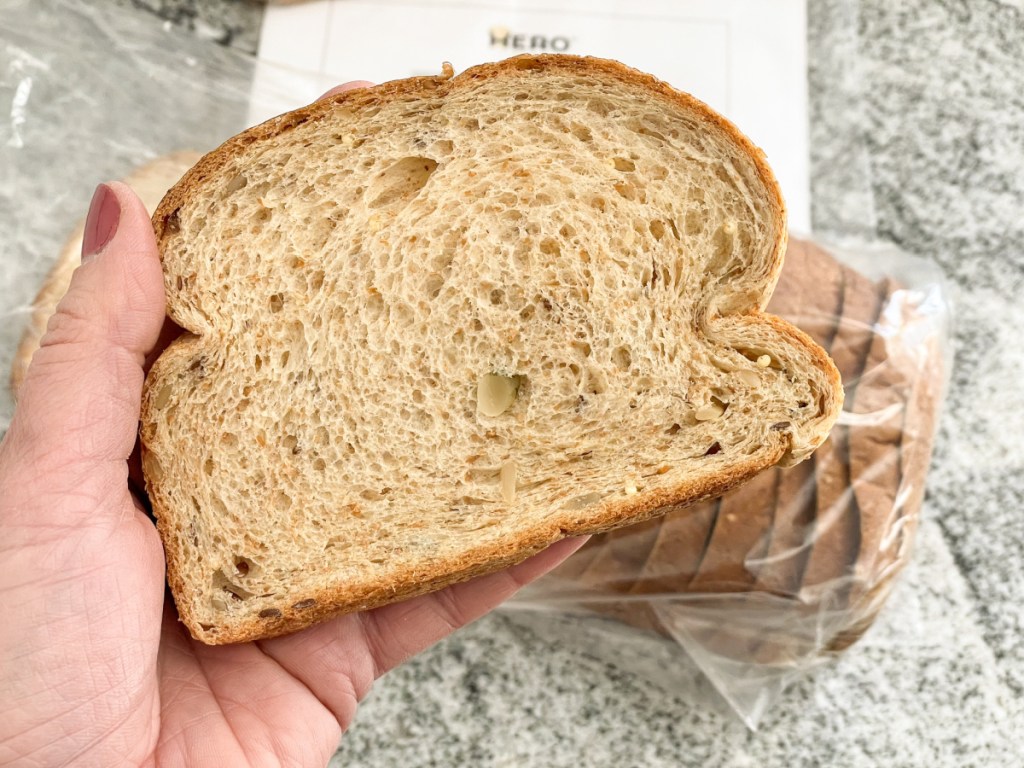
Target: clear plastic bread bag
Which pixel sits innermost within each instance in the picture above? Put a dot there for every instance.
(788, 571)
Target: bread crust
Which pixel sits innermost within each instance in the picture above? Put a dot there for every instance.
(603, 517)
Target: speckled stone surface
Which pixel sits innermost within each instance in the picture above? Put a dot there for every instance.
(921, 690)
(917, 118)
(234, 23)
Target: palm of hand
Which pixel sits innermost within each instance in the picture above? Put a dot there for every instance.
(96, 669)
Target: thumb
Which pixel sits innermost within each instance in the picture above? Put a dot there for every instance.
(77, 417)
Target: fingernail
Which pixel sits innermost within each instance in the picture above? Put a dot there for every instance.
(101, 223)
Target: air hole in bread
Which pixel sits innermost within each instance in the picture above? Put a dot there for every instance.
(693, 223)
(657, 229)
(721, 395)
(319, 465)
(401, 181)
(433, 284)
(715, 448)
(596, 383)
(237, 182)
(723, 174)
(581, 132)
(227, 590)
(722, 248)
(173, 223)
(647, 276)
(550, 247)
(622, 358)
(583, 348)
(629, 192)
(276, 302)
(443, 147)
(282, 501)
(245, 566)
(623, 164)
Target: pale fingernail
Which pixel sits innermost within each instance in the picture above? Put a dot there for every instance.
(352, 85)
(101, 223)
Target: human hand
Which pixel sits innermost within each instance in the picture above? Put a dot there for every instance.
(95, 669)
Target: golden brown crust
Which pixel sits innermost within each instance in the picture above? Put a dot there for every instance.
(837, 527)
(740, 537)
(788, 551)
(610, 515)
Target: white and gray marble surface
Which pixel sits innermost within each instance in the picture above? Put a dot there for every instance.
(917, 125)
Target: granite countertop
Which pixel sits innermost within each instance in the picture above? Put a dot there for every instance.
(917, 125)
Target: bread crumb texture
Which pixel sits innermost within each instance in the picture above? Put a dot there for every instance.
(436, 325)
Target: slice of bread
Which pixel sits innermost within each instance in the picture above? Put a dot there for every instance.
(438, 324)
(150, 182)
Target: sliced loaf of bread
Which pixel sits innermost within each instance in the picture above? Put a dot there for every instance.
(435, 325)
